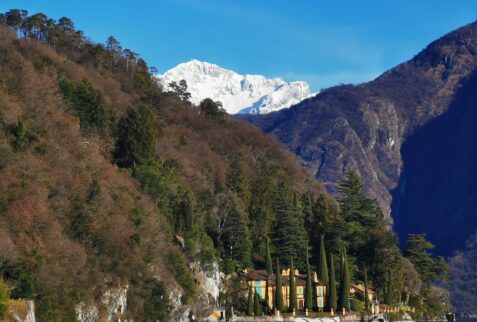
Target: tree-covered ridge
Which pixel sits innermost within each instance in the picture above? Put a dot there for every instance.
(119, 170)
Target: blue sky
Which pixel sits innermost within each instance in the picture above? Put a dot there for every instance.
(321, 42)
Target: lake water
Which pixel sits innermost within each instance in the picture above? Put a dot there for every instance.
(466, 319)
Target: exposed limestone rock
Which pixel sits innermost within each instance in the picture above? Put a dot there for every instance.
(114, 301)
(22, 310)
(87, 313)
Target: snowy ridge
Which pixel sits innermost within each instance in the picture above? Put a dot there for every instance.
(253, 94)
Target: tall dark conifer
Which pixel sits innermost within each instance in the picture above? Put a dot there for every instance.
(269, 267)
(322, 265)
(278, 289)
(366, 295)
(236, 236)
(332, 302)
(268, 258)
(257, 306)
(344, 282)
(308, 288)
(293, 295)
(250, 302)
(137, 134)
(289, 233)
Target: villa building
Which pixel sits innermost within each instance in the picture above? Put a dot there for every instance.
(265, 286)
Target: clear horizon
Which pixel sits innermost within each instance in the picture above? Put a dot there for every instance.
(324, 44)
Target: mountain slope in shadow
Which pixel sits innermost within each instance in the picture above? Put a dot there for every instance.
(437, 190)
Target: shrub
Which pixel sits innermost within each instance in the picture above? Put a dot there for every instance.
(356, 305)
(157, 306)
(182, 273)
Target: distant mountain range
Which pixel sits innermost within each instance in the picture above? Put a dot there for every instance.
(243, 94)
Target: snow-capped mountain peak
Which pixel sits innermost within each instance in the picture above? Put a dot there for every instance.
(253, 94)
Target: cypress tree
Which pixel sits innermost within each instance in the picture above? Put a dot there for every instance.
(250, 302)
(268, 259)
(344, 282)
(257, 306)
(323, 266)
(332, 303)
(278, 289)
(293, 295)
(366, 296)
(308, 288)
(388, 298)
(268, 264)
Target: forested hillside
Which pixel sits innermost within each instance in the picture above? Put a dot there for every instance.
(102, 171)
(109, 182)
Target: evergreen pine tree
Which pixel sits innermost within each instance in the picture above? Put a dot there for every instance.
(344, 282)
(236, 236)
(268, 258)
(250, 302)
(90, 106)
(278, 289)
(289, 234)
(366, 296)
(322, 265)
(430, 269)
(332, 302)
(257, 306)
(293, 295)
(308, 288)
(137, 134)
(360, 215)
(260, 208)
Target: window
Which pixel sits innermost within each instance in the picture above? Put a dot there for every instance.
(300, 290)
(319, 291)
(260, 292)
(320, 302)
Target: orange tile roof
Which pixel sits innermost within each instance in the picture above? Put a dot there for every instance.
(360, 288)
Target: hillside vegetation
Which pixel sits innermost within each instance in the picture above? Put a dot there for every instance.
(108, 181)
(73, 223)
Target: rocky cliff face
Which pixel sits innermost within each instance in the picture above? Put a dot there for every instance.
(21, 311)
(364, 128)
